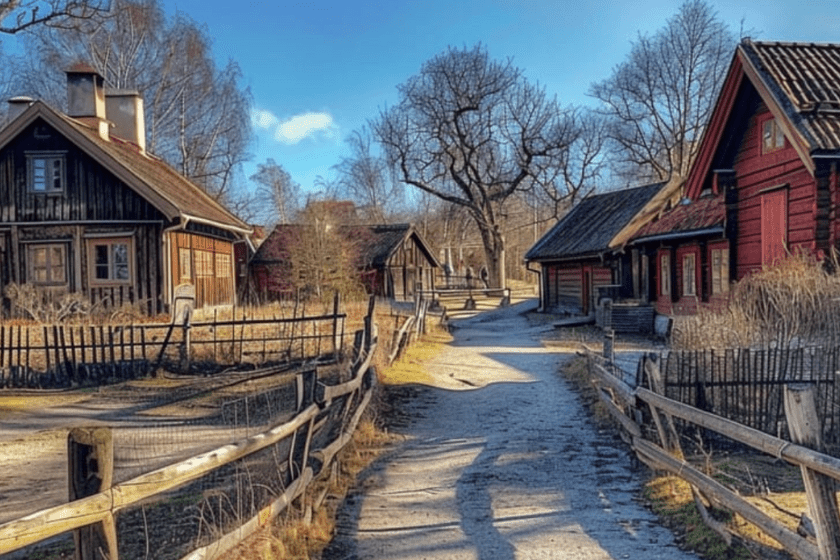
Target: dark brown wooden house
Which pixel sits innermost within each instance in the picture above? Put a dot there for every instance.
(392, 260)
(84, 208)
(765, 181)
(583, 252)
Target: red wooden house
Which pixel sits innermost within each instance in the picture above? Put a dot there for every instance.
(84, 207)
(765, 181)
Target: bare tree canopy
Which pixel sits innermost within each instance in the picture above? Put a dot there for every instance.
(18, 15)
(366, 178)
(197, 115)
(658, 101)
(473, 131)
(277, 193)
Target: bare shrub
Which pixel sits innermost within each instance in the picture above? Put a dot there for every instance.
(47, 305)
(791, 303)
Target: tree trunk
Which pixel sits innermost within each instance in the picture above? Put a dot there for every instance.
(494, 254)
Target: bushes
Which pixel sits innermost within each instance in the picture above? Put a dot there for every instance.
(792, 303)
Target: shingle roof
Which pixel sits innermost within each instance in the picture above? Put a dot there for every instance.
(376, 243)
(590, 226)
(703, 214)
(169, 191)
(805, 80)
(188, 197)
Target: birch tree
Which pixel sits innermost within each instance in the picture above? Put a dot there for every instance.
(657, 101)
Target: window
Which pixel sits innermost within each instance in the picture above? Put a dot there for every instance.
(720, 271)
(222, 265)
(665, 275)
(689, 280)
(46, 173)
(772, 137)
(110, 261)
(203, 264)
(48, 264)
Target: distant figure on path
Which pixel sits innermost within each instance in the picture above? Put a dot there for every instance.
(484, 276)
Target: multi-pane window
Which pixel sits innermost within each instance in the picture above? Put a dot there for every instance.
(48, 264)
(203, 264)
(110, 261)
(665, 275)
(720, 271)
(689, 281)
(46, 173)
(772, 136)
(222, 265)
(184, 263)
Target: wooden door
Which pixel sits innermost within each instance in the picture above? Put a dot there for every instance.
(586, 290)
(773, 226)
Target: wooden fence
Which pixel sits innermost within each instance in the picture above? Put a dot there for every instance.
(630, 405)
(324, 419)
(55, 356)
(747, 385)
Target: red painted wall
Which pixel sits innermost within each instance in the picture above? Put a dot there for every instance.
(757, 172)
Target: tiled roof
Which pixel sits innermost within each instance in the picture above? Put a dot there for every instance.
(188, 197)
(697, 215)
(805, 80)
(590, 226)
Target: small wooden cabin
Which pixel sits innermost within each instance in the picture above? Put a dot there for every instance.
(582, 254)
(392, 260)
(85, 208)
(765, 181)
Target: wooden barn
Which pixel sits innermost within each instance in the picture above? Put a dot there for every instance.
(765, 181)
(582, 254)
(85, 208)
(392, 260)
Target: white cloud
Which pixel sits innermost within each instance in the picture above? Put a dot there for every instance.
(296, 128)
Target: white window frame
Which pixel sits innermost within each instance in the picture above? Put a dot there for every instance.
(665, 274)
(772, 136)
(720, 271)
(689, 274)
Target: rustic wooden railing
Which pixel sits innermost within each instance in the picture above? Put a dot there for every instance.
(819, 470)
(323, 411)
(58, 356)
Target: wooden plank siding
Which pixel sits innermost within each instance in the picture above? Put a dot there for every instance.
(759, 172)
(565, 290)
(209, 267)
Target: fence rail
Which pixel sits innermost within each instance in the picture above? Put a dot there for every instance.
(324, 417)
(58, 356)
(628, 405)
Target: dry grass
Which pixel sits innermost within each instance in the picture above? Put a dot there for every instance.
(792, 303)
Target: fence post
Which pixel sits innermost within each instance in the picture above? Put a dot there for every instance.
(90, 470)
(609, 346)
(806, 430)
(336, 336)
(186, 350)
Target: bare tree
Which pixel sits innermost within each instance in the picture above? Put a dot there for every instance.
(276, 192)
(472, 131)
(366, 178)
(19, 15)
(659, 99)
(197, 115)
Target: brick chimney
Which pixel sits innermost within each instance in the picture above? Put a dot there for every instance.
(17, 105)
(125, 112)
(86, 97)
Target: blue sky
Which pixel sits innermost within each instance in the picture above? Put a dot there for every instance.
(320, 69)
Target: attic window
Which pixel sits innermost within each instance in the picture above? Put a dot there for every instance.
(772, 137)
(45, 173)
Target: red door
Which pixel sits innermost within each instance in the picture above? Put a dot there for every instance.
(773, 226)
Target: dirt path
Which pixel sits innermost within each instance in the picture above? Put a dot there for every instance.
(509, 469)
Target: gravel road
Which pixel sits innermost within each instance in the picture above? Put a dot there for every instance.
(510, 467)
